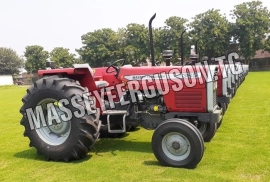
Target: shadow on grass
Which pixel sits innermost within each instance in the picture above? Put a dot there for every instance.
(104, 145)
(136, 129)
(117, 144)
(152, 163)
(31, 154)
(117, 135)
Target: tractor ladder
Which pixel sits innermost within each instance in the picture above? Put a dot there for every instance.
(116, 112)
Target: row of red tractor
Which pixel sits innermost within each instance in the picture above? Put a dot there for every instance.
(182, 119)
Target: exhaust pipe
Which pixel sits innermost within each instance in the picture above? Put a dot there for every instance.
(196, 48)
(182, 48)
(151, 40)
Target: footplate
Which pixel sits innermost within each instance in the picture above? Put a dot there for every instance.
(115, 112)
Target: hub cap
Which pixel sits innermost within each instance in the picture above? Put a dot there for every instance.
(57, 132)
(176, 146)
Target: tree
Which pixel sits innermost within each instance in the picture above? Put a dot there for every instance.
(251, 26)
(172, 34)
(267, 44)
(100, 47)
(36, 58)
(211, 29)
(62, 57)
(121, 43)
(136, 42)
(79, 60)
(10, 62)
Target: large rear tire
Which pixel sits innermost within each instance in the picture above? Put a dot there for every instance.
(67, 138)
(177, 143)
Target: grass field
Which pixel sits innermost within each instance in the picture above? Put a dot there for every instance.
(240, 151)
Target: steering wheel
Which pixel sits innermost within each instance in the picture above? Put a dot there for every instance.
(116, 69)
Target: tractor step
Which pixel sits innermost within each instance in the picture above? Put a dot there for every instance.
(116, 112)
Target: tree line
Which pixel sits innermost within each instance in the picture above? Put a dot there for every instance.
(211, 30)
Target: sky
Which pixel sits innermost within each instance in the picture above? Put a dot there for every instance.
(61, 23)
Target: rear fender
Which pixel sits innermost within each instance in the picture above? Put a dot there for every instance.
(82, 75)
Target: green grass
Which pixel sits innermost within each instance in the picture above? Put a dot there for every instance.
(239, 152)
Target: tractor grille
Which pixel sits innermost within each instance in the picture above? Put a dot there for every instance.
(188, 99)
(214, 98)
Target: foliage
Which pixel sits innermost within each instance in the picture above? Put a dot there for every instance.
(212, 30)
(99, 47)
(136, 42)
(62, 57)
(267, 44)
(251, 26)
(36, 58)
(10, 62)
(174, 27)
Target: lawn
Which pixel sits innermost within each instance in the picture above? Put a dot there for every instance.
(240, 150)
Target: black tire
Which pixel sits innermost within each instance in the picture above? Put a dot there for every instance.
(233, 93)
(224, 109)
(187, 135)
(192, 125)
(83, 131)
(219, 124)
(208, 130)
(223, 106)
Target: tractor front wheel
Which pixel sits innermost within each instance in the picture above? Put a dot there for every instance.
(177, 143)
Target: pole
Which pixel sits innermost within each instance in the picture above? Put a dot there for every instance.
(182, 48)
(151, 40)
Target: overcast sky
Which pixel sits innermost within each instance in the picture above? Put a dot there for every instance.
(60, 23)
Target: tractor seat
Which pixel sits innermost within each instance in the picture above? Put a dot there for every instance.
(99, 84)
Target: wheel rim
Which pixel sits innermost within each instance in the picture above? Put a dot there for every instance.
(58, 132)
(176, 146)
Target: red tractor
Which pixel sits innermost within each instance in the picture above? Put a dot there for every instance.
(62, 110)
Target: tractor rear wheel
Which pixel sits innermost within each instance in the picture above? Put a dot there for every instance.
(67, 129)
(177, 143)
